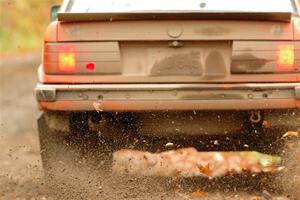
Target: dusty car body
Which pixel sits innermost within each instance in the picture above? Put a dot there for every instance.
(133, 71)
(190, 58)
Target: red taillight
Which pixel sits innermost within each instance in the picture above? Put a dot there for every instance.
(67, 59)
(285, 58)
(90, 66)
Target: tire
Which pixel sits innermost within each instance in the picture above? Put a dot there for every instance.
(60, 149)
(70, 155)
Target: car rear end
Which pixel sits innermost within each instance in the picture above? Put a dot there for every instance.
(230, 66)
(159, 75)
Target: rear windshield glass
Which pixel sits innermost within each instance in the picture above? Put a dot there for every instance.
(121, 6)
(297, 7)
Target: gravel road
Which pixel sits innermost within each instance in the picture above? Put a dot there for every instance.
(21, 174)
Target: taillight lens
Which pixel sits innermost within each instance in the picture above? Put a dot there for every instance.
(285, 58)
(67, 59)
(90, 67)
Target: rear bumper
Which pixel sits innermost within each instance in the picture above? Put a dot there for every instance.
(155, 97)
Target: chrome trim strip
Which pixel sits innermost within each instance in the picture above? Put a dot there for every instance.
(161, 86)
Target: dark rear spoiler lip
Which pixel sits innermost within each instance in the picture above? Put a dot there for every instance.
(265, 16)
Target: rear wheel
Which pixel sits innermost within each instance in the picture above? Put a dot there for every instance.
(71, 153)
(57, 145)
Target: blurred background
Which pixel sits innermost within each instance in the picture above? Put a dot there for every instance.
(23, 23)
(22, 26)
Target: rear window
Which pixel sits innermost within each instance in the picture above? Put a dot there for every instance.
(297, 7)
(159, 6)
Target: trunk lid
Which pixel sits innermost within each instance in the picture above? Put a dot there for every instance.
(167, 51)
(166, 30)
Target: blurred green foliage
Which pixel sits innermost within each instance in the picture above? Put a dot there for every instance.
(23, 23)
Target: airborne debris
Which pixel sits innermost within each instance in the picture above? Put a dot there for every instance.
(266, 124)
(188, 162)
(199, 193)
(291, 134)
(205, 170)
(97, 106)
(169, 144)
(267, 195)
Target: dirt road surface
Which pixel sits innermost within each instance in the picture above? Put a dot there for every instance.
(21, 174)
